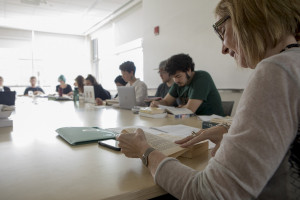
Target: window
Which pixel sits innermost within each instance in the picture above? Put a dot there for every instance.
(43, 55)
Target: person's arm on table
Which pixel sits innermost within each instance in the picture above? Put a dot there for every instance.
(192, 104)
(167, 101)
(99, 101)
(161, 167)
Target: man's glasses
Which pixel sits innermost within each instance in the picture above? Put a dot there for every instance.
(162, 72)
(217, 25)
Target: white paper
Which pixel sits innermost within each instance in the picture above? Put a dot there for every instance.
(176, 111)
(180, 131)
(176, 131)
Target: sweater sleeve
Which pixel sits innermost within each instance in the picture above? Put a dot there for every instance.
(141, 93)
(259, 138)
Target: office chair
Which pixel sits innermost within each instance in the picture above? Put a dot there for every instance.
(227, 107)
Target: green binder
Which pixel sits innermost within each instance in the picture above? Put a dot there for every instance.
(81, 135)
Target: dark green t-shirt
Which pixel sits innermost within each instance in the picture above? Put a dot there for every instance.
(201, 87)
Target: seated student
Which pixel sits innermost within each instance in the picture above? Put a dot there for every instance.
(2, 87)
(195, 89)
(168, 81)
(128, 73)
(36, 90)
(79, 83)
(119, 81)
(100, 93)
(63, 87)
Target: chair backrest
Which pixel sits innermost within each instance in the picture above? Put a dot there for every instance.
(227, 107)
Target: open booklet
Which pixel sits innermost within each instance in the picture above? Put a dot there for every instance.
(164, 143)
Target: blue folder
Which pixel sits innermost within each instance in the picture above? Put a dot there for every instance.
(81, 135)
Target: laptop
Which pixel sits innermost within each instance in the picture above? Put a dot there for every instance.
(82, 135)
(89, 94)
(127, 98)
(8, 98)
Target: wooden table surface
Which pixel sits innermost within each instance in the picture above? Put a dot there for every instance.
(35, 163)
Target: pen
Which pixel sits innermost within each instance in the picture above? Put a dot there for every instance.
(158, 129)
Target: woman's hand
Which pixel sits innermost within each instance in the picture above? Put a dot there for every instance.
(133, 145)
(214, 134)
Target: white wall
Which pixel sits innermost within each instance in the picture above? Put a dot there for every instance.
(129, 26)
(119, 41)
(186, 27)
(124, 28)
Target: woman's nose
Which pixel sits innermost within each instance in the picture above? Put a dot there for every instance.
(225, 50)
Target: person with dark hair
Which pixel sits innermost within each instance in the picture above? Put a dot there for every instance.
(35, 89)
(128, 73)
(100, 93)
(2, 87)
(119, 81)
(195, 89)
(79, 83)
(164, 87)
(259, 157)
(63, 88)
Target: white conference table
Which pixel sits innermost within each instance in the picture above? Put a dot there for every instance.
(35, 163)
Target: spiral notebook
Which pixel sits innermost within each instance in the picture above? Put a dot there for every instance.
(82, 135)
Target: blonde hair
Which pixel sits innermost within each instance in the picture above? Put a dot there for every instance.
(260, 23)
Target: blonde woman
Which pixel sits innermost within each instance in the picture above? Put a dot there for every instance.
(259, 156)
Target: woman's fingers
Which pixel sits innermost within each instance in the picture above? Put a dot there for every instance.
(190, 137)
(132, 144)
(194, 140)
(139, 131)
(215, 149)
(184, 140)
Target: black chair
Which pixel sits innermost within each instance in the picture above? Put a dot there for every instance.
(227, 107)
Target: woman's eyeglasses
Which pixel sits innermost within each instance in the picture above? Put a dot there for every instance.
(217, 25)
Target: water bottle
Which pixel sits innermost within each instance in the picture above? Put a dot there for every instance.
(75, 94)
(60, 91)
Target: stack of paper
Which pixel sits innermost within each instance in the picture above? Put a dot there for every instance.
(5, 112)
(110, 102)
(177, 112)
(213, 120)
(152, 112)
(209, 117)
